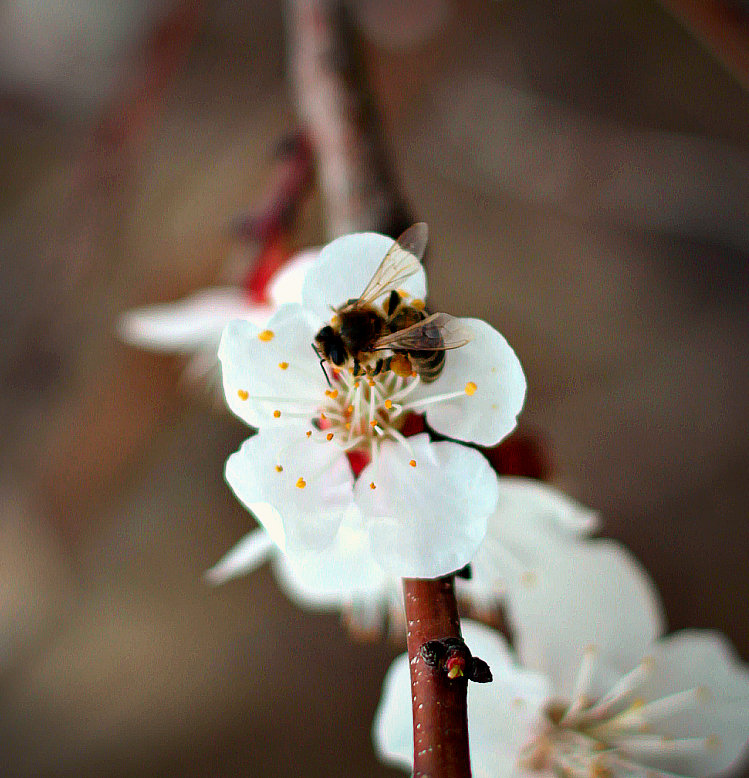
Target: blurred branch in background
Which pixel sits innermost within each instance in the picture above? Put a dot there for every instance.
(722, 26)
(333, 101)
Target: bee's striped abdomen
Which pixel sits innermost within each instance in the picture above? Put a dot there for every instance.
(428, 364)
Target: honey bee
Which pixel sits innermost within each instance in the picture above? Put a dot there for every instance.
(417, 341)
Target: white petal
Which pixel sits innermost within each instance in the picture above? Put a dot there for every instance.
(705, 662)
(428, 520)
(281, 373)
(500, 713)
(193, 323)
(251, 552)
(286, 284)
(345, 268)
(591, 593)
(521, 533)
(335, 576)
(489, 369)
(299, 515)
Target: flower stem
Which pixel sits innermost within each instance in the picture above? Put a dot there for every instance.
(440, 712)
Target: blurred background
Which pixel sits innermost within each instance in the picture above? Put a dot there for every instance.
(584, 170)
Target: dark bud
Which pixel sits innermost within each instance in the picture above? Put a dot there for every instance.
(432, 652)
(478, 670)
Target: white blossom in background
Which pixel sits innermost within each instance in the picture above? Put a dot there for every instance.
(424, 506)
(594, 694)
(532, 523)
(192, 326)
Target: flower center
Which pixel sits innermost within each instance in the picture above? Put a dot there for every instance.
(358, 412)
(616, 733)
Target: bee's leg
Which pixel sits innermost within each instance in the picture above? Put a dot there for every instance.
(378, 366)
(357, 368)
(393, 302)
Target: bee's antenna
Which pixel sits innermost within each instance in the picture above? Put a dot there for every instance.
(322, 365)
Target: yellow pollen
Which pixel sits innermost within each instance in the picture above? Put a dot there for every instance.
(332, 393)
(283, 365)
(348, 425)
(373, 423)
(323, 416)
(471, 388)
(335, 320)
(388, 404)
(266, 335)
(412, 463)
(356, 384)
(418, 304)
(350, 409)
(413, 374)
(242, 394)
(402, 293)
(279, 469)
(329, 436)
(372, 485)
(371, 382)
(308, 433)
(277, 414)
(301, 483)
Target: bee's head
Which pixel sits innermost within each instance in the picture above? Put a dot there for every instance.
(331, 345)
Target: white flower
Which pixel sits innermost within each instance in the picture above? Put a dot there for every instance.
(423, 505)
(597, 694)
(531, 524)
(193, 326)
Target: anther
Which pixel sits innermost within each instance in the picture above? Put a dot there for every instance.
(279, 469)
(276, 414)
(471, 388)
(371, 382)
(329, 436)
(301, 483)
(242, 394)
(266, 335)
(412, 463)
(283, 365)
(348, 425)
(388, 404)
(332, 393)
(373, 423)
(372, 485)
(308, 433)
(323, 416)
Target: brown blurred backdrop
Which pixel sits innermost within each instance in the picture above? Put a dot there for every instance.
(584, 171)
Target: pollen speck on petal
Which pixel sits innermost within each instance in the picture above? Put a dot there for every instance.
(242, 394)
(266, 335)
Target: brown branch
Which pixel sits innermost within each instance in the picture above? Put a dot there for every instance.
(356, 180)
(440, 712)
(721, 27)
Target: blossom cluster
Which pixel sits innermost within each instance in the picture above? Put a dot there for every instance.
(352, 496)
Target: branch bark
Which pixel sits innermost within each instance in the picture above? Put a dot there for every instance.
(440, 711)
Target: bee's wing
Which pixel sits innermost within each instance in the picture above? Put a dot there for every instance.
(401, 262)
(435, 333)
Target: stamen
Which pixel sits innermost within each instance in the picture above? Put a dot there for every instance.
(266, 335)
(242, 394)
(620, 691)
(470, 388)
(582, 685)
